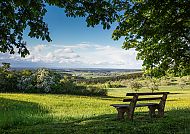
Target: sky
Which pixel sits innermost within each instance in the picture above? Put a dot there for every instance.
(74, 45)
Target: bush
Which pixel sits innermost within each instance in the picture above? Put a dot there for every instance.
(92, 90)
(26, 84)
(165, 81)
(182, 82)
(135, 85)
(43, 81)
(113, 84)
(89, 90)
(153, 84)
(67, 85)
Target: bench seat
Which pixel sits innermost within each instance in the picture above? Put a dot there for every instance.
(137, 105)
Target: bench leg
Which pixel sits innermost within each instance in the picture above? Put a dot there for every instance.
(152, 111)
(161, 108)
(162, 105)
(160, 112)
(121, 112)
(130, 113)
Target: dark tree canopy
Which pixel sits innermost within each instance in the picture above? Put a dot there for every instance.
(158, 30)
(17, 15)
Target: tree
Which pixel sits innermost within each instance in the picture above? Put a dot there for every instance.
(135, 85)
(17, 15)
(8, 78)
(5, 66)
(158, 30)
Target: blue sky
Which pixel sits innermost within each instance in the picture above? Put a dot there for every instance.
(74, 45)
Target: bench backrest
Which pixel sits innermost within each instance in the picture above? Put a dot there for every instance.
(156, 93)
(136, 97)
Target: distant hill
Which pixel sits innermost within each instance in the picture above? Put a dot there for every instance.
(93, 70)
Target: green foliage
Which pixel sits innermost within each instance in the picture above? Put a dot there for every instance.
(67, 85)
(187, 79)
(8, 78)
(113, 84)
(5, 66)
(166, 81)
(135, 85)
(26, 84)
(159, 31)
(43, 81)
(182, 83)
(153, 84)
(93, 90)
(16, 15)
(26, 72)
(112, 79)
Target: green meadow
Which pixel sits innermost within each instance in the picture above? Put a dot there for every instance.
(46, 113)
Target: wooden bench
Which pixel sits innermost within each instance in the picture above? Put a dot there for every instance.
(130, 108)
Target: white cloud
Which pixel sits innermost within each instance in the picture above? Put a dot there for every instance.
(64, 50)
(110, 56)
(79, 55)
(39, 48)
(79, 46)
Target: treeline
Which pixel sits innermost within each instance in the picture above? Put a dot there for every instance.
(108, 79)
(43, 81)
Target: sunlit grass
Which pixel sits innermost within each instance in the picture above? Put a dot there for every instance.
(35, 113)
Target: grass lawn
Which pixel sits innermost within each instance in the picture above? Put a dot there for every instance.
(41, 113)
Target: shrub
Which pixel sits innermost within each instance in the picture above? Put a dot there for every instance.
(44, 80)
(26, 84)
(41, 81)
(153, 84)
(26, 72)
(165, 81)
(97, 91)
(188, 80)
(135, 85)
(182, 83)
(65, 85)
(113, 84)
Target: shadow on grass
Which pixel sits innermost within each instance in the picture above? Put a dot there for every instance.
(174, 121)
(15, 113)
